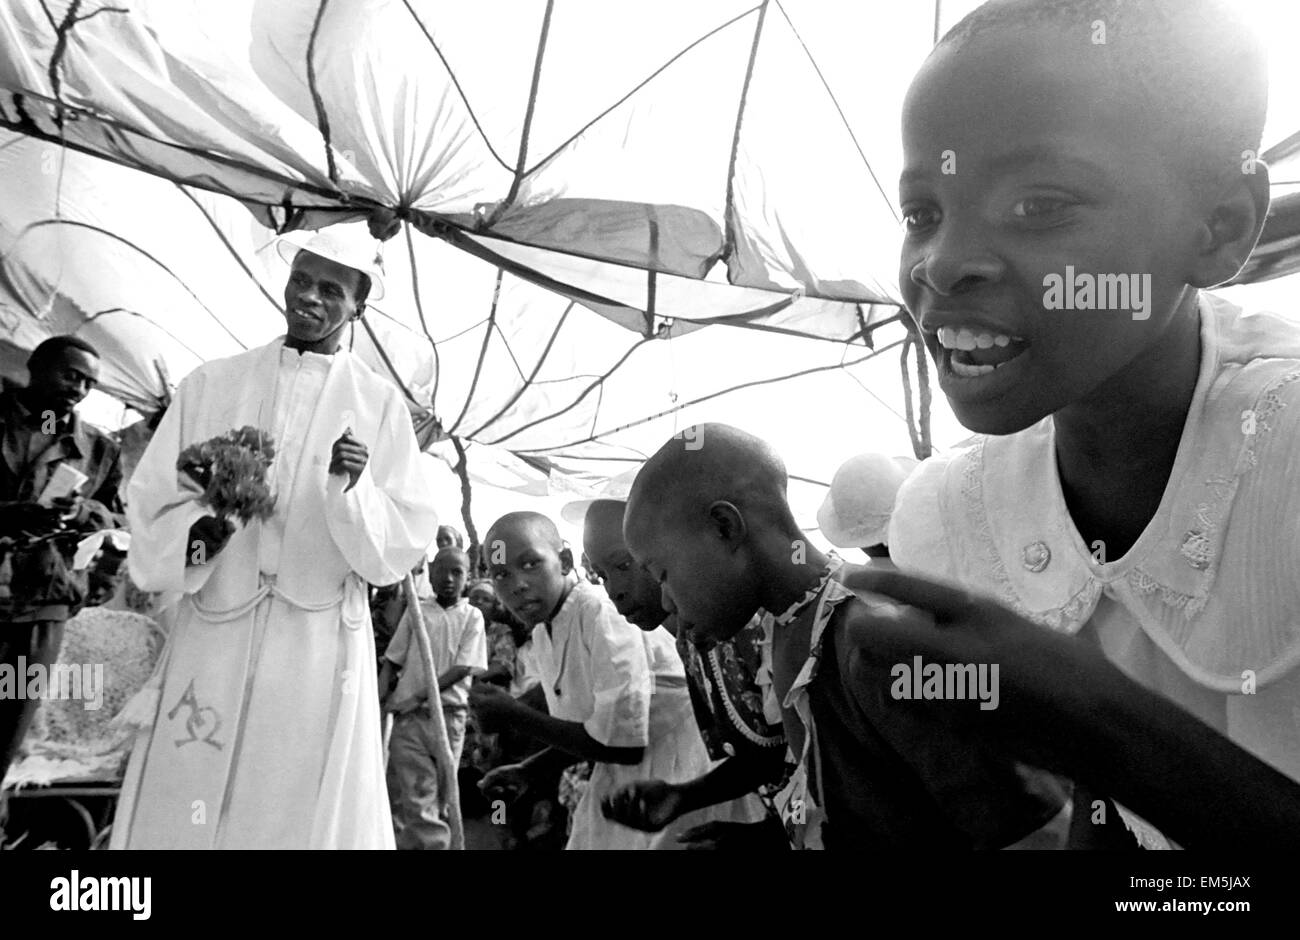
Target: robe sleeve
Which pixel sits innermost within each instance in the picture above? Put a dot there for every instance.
(383, 525)
(160, 511)
(621, 682)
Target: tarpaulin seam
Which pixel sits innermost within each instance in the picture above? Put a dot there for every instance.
(635, 88)
(528, 381)
(518, 171)
(460, 91)
(577, 401)
(379, 348)
(619, 263)
(514, 360)
(455, 233)
(221, 236)
(482, 353)
(728, 221)
(128, 243)
(703, 398)
(322, 118)
(457, 237)
(419, 308)
(28, 127)
(595, 412)
(154, 323)
(830, 94)
(61, 32)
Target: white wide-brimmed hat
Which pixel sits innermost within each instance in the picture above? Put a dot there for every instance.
(856, 511)
(349, 244)
(619, 488)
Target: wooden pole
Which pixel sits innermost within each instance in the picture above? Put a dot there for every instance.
(448, 785)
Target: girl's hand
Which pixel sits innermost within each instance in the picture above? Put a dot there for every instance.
(1041, 673)
(647, 805)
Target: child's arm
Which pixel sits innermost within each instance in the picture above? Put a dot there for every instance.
(452, 676)
(495, 707)
(510, 781)
(1063, 706)
(650, 805)
(471, 656)
(733, 778)
(387, 679)
(549, 761)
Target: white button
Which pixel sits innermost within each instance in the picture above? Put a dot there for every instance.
(1036, 556)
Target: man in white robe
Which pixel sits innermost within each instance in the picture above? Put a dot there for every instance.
(264, 729)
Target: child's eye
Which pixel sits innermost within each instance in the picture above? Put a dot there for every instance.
(1040, 208)
(916, 218)
(528, 565)
(625, 566)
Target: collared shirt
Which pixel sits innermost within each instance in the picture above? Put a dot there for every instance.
(595, 669)
(28, 455)
(1205, 607)
(456, 638)
(41, 584)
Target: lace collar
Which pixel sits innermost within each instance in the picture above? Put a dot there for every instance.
(1011, 493)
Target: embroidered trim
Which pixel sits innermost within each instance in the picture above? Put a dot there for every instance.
(749, 734)
(972, 490)
(1143, 583)
(811, 594)
(1060, 619)
(1199, 546)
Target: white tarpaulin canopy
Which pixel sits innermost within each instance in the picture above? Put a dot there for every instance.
(606, 220)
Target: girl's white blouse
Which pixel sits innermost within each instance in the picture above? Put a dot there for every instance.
(1205, 607)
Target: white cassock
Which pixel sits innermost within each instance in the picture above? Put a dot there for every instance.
(267, 728)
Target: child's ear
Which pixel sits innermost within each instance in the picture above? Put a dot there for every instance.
(728, 522)
(1233, 227)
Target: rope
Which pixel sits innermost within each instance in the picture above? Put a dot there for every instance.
(918, 428)
(447, 783)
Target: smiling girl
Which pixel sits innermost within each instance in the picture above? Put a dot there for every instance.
(1137, 484)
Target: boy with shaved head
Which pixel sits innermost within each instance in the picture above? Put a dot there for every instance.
(458, 642)
(721, 806)
(615, 696)
(708, 518)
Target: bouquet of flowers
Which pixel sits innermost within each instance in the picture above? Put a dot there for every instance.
(231, 469)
